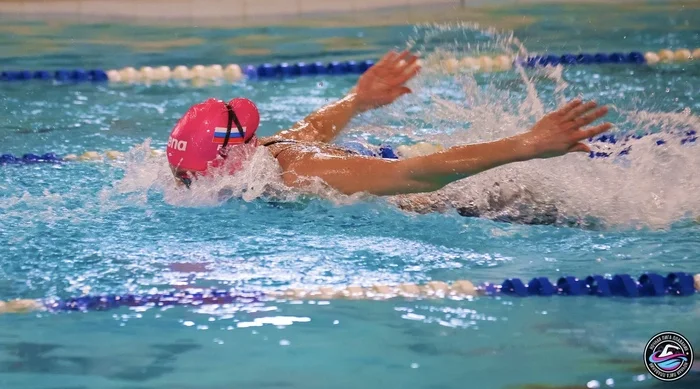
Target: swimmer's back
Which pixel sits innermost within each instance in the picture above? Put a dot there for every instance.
(285, 148)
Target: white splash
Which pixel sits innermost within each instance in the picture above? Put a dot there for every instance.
(259, 177)
(654, 185)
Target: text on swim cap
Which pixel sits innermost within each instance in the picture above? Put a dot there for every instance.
(179, 145)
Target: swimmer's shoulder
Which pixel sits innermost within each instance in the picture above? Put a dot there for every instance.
(274, 139)
(277, 144)
(287, 150)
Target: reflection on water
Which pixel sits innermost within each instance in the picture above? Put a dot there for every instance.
(123, 227)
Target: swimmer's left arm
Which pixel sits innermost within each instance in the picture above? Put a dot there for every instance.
(557, 133)
(380, 85)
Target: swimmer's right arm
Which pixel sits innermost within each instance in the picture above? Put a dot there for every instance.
(556, 134)
(380, 85)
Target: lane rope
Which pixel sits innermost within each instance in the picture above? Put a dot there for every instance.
(619, 285)
(235, 72)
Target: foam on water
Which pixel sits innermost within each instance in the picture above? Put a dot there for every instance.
(143, 172)
(652, 186)
(260, 177)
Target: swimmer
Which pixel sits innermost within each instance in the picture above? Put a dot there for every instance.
(219, 135)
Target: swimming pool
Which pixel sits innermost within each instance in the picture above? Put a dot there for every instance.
(117, 227)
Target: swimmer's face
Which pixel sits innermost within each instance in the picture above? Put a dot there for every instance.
(182, 177)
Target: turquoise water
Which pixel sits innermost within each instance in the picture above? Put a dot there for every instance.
(122, 226)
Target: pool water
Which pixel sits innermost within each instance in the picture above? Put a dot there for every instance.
(122, 226)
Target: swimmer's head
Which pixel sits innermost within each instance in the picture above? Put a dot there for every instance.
(210, 134)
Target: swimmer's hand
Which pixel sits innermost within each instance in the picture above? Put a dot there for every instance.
(384, 82)
(379, 85)
(561, 132)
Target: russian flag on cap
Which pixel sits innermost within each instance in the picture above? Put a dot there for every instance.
(234, 138)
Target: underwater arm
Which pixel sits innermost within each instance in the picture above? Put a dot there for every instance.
(380, 85)
(556, 134)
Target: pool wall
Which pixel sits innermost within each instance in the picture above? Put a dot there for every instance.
(236, 12)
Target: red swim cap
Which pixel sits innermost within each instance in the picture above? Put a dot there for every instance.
(196, 141)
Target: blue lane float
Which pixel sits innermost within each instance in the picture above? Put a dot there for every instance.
(631, 58)
(61, 75)
(281, 70)
(9, 159)
(688, 137)
(106, 302)
(269, 70)
(620, 285)
(676, 284)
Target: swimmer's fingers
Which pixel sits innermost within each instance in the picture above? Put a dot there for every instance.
(407, 65)
(591, 132)
(580, 148)
(389, 65)
(586, 134)
(569, 106)
(407, 74)
(388, 59)
(397, 68)
(589, 118)
(403, 58)
(403, 63)
(575, 113)
(400, 61)
(404, 69)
